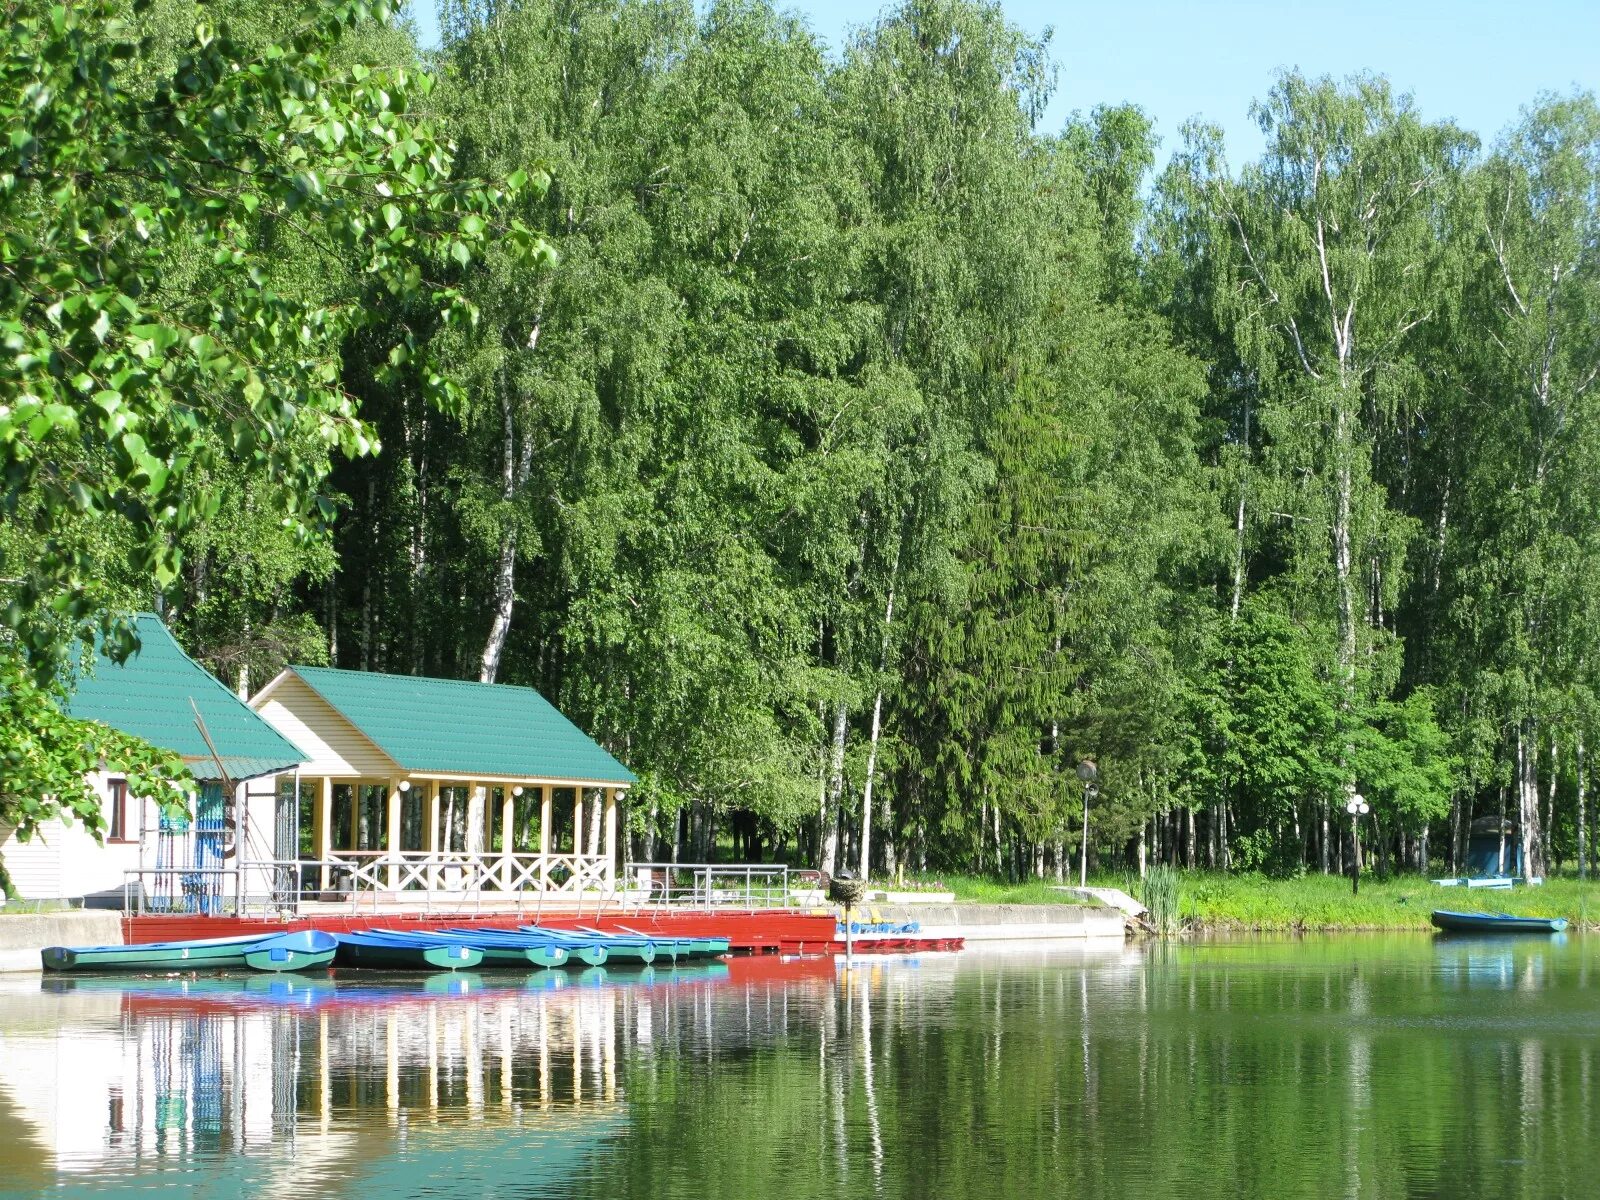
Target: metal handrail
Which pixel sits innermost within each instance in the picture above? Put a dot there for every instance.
(708, 885)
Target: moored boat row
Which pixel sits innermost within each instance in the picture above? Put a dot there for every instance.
(390, 950)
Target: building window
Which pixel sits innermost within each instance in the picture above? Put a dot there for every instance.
(117, 814)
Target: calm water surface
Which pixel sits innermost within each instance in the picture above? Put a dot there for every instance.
(1360, 1066)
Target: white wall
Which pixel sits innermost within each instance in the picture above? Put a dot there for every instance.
(65, 862)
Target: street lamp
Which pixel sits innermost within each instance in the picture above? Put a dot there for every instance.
(1087, 772)
(1357, 807)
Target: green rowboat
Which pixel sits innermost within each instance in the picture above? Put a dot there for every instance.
(210, 954)
(304, 951)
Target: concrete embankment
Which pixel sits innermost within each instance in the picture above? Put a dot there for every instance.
(1003, 922)
(23, 935)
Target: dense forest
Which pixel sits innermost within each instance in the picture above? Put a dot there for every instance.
(853, 455)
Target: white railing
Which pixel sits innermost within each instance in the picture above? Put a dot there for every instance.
(456, 881)
(359, 881)
(708, 885)
(456, 871)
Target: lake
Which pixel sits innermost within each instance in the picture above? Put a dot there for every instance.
(1356, 1066)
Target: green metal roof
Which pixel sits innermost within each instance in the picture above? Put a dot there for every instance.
(453, 727)
(149, 696)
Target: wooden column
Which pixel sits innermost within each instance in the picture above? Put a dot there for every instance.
(546, 819)
(577, 821)
(324, 829)
(477, 817)
(430, 839)
(393, 838)
(611, 838)
(508, 828)
(355, 815)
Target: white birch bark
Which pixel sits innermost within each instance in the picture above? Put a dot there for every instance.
(1583, 816)
(516, 465)
(835, 794)
(872, 747)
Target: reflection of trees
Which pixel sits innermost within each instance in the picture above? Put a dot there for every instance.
(1267, 1070)
(1379, 1069)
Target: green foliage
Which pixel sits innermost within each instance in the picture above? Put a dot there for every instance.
(48, 758)
(868, 441)
(155, 348)
(123, 386)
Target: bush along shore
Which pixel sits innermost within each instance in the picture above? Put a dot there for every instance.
(1218, 902)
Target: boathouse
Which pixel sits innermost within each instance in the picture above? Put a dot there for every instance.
(414, 784)
(177, 863)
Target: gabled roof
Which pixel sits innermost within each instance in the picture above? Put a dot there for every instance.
(149, 697)
(453, 727)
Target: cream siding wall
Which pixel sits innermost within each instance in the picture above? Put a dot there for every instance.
(64, 862)
(34, 866)
(336, 747)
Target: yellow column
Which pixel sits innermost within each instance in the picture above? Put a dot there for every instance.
(577, 821)
(355, 815)
(393, 839)
(611, 838)
(324, 825)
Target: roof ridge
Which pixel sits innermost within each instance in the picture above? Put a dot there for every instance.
(525, 687)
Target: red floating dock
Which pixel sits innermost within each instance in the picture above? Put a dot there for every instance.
(775, 931)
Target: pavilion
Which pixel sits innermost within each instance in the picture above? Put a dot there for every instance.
(419, 784)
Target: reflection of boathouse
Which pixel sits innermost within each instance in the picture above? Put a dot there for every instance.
(286, 1084)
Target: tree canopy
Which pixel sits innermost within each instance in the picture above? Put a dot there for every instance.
(849, 453)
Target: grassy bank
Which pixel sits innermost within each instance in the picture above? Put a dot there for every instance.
(1215, 902)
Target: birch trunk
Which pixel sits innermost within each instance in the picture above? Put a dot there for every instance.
(475, 808)
(1583, 816)
(649, 839)
(515, 466)
(366, 583)
(1500, 869)
(872, 748)
(835, 794)
(1549, 821)
(1528, 800)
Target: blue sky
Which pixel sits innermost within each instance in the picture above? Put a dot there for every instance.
(1476, 62)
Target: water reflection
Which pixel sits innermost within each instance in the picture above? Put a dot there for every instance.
(266, 1080)
(1373, 1067)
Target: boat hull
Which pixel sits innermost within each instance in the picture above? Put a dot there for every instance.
(307, 951)
(207, 955)
(1465, 922)
(373, 954)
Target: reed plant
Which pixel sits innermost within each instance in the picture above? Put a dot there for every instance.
(1162, 897)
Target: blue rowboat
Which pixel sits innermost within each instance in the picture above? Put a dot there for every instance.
(497, 952)
(380, 952)
(303, 951)
(1482, 922)
(581, 951)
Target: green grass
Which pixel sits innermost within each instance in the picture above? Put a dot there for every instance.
(1251, 902)
(982, 889)
(1217, 902)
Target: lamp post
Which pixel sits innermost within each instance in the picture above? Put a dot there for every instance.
(1087, 772)
(1357, 807)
